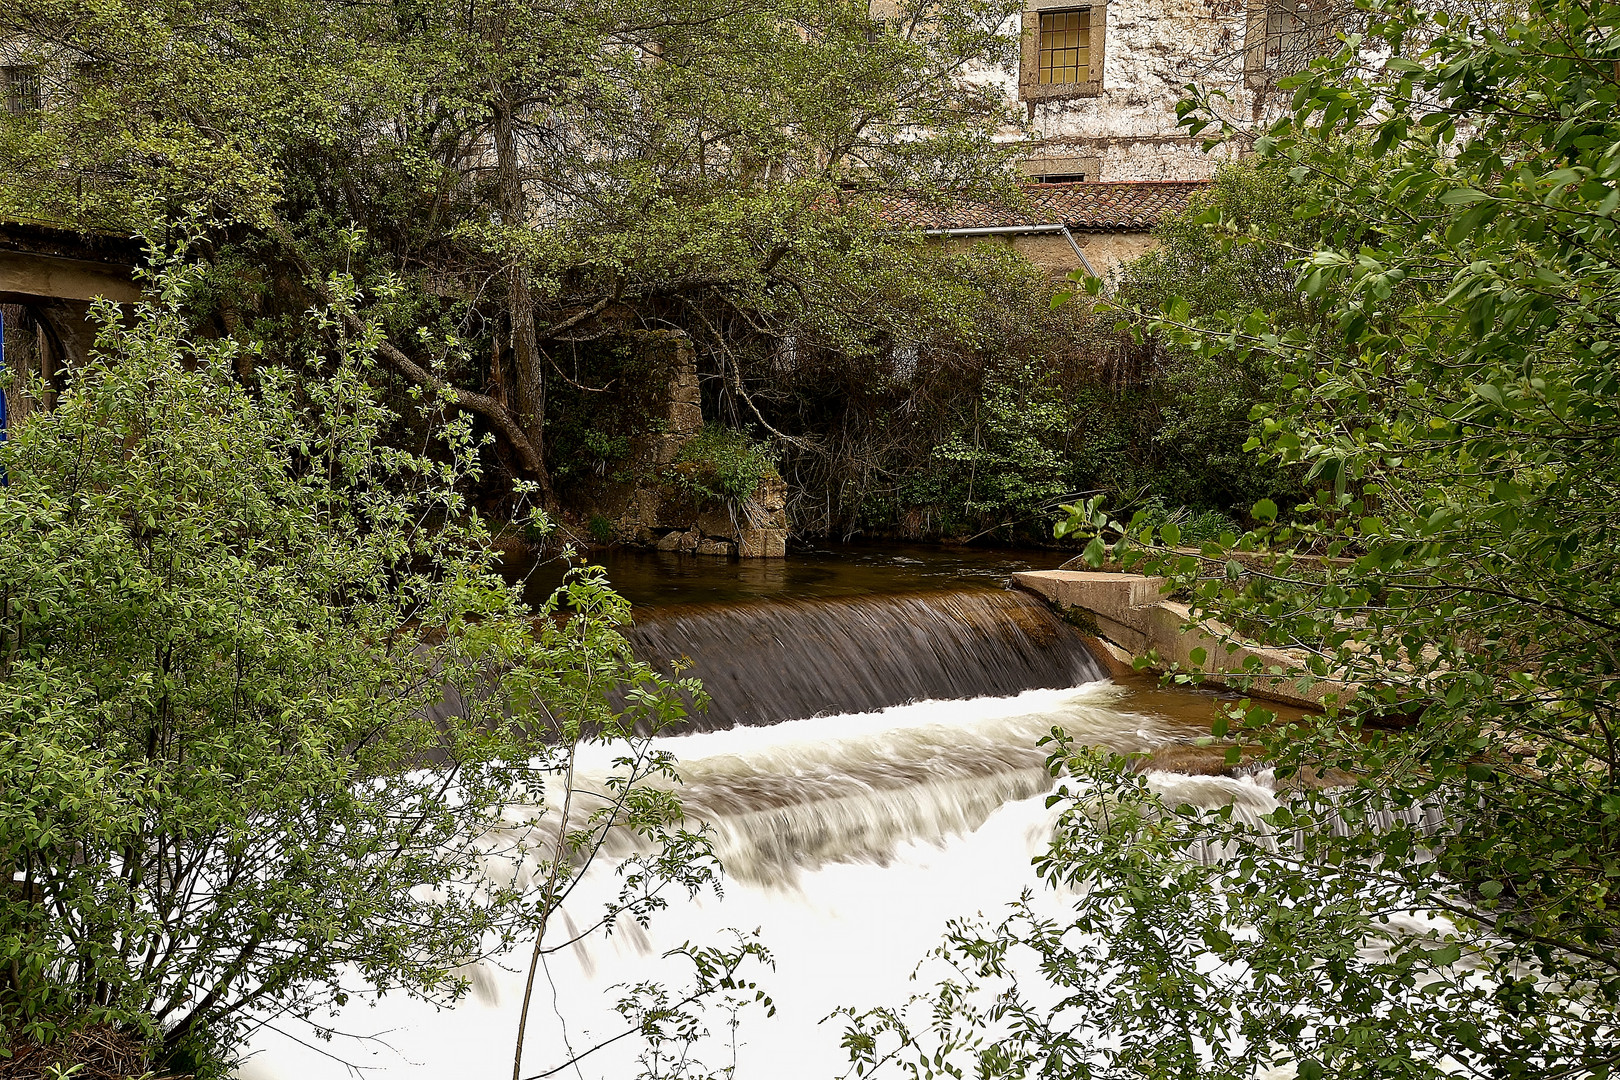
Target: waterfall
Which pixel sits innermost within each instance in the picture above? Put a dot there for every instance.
(849, 841)
(775, 660)
(872, 768)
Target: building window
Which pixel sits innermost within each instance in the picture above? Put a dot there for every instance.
(1052, 165)
(22, 89)
(1065, 47)
(1283, 36)
(1063, 50)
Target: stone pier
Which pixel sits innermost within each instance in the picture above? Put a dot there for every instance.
(649, 512)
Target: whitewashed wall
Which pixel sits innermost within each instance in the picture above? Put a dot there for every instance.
(1152, 50)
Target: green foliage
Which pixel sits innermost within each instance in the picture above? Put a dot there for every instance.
(1182, 526)
(722, 464)
(1018, 406)
(983, 416)
(592, 426)
(257, 719)
(1277, 959)
(1008, 466)
(543, 175)
(1173, 420)
(1434, 898)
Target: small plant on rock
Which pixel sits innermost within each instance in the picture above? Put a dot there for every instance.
(722, 464)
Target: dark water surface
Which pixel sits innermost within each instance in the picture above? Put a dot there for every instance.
(656, 578)
(854, 627)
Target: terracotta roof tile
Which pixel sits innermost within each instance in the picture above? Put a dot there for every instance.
(1129, 206)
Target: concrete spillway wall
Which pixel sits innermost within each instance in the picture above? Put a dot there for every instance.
(1131, 612)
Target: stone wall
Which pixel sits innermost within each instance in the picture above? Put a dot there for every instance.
(679, 416)
(651, 511)
(1130, 612)
(1105, 251)
(1123, 125)
(1155, 48)
(660, 516)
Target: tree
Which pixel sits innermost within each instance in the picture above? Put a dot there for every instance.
(263, 700)
(1432, 896)
(1178, 424)
(545, 175)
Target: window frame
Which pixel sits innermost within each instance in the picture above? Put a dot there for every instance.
(1030, 87)
(1259, 69)
(29, 78)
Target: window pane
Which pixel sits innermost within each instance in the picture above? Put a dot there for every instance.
(1064, 47)
(22, 90)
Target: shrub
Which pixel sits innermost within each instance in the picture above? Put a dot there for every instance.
(722, 464)
(228, 646)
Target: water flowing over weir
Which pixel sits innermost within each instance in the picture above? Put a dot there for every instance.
(870, 769)
(849, 841)
(786, 659)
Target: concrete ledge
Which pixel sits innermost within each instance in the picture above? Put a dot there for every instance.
(29, 275)
(1130, 611)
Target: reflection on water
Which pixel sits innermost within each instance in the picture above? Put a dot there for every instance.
(648, 578)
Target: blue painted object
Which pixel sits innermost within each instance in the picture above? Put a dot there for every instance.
(2, 376)
(3, 480)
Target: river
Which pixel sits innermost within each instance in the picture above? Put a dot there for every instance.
(870, 770)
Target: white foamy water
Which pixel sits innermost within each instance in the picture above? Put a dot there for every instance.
(849, 842)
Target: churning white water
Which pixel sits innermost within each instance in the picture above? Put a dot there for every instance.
(849, 841)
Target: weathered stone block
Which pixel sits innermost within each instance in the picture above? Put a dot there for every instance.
(762, 543)
(1121, 598)
(662, 449)
(772, 494)
(716, 547)
(1129, 610)
(712, 522)
(685, 418)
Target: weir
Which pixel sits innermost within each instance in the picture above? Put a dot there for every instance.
(786, 659)
(872, 767)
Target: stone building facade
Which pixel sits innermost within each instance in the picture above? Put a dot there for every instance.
(1099, 81)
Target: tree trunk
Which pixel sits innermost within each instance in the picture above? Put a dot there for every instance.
(528, 378)
(529, 460)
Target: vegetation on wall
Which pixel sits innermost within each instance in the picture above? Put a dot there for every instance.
(722, 465)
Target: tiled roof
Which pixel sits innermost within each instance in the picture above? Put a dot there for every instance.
(1131, 206)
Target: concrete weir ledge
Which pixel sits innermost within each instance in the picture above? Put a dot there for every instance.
(1130, 613)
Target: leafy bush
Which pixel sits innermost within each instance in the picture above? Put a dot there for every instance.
(722, 464)
(228, 647)
(1015, 406)
(1192, 528)
(1431, 896)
